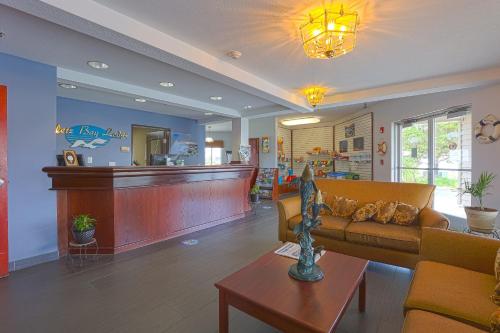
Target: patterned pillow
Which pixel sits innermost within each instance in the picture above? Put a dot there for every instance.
(497, 266)
(343, 207)
(495, 321)
(405, 214)
(495, 298)
(385, 211)
(365, 213)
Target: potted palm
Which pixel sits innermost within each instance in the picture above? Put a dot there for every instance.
(254, 193)
(83, 228)
(480, 219)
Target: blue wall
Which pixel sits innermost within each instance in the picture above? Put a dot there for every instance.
(71, 112)
(31, 111)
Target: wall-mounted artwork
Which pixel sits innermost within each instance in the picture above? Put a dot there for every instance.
(265, 144)
(350, 131)
(343, 146)
(89, 136)
(358, 144)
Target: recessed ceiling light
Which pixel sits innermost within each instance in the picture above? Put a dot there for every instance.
(216, 98)
(234, 54)
(167, 84)
(300, 121)
(209, 113)
(140, 100)
(247, 107)
(67, 86)
(97, 64)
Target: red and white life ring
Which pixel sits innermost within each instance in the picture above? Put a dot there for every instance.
(481, 136)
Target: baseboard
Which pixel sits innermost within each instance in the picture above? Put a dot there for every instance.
(32, 261)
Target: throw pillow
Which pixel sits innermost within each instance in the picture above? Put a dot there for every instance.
(385, 211)
(343, 207)
(405, 214)
(495, 321)
(495, 298)
(497, 266)
(365, 213)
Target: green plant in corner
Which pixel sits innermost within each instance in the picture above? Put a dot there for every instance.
(83, 222)
(478, 189)
(255, 189)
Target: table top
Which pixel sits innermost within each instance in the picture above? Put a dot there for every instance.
(315, 305)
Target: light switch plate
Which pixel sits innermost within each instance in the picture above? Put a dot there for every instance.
(112, 163)
(89, 160)
(124, 149)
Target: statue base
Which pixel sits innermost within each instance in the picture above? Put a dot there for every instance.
(315, 275)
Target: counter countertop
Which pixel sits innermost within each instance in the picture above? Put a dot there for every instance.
(93, 178)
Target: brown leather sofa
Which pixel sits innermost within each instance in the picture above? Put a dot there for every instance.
(452, 285)
(388, 243)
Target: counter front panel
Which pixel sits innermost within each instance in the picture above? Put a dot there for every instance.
(139, 206)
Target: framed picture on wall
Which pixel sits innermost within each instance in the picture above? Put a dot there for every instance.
(358, 144)
(343, 146)
(70, 158)
(350, 131)
(265, 144)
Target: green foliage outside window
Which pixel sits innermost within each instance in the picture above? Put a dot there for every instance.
(415, 142)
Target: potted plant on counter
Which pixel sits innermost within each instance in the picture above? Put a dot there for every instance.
(254, 193)
(83, 228)
(480, 219)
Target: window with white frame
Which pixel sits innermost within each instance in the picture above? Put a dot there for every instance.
(436, 149)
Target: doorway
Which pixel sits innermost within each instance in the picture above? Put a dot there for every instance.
(4, 247)
(150, 145)
(254, 151)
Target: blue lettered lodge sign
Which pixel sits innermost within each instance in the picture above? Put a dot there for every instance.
(89, 136)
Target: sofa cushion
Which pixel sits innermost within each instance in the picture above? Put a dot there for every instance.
(417, 321)
(390, 236)
(453, 292)
(332, 227)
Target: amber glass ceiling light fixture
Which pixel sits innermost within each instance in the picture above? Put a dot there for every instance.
(329, 32)
(315, 95)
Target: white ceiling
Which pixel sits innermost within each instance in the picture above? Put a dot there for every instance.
(398, 41)
(126, 101)
(225, 126)
(39, 40)
(404, 48)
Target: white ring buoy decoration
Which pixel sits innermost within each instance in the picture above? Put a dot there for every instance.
(479, 129)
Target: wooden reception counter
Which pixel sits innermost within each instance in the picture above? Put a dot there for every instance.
(137, 206)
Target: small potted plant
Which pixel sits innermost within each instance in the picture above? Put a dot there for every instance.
(83, 228)
(254, 193)
(480, 219)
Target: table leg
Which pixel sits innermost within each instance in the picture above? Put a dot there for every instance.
(223, 313)
(362, 294)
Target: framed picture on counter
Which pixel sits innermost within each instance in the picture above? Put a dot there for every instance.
(70, 158)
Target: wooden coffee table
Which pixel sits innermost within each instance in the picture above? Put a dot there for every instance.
(264, 290)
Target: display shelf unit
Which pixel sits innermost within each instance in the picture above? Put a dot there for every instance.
(267, 180)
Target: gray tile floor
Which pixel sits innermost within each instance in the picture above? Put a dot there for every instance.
(168, 287)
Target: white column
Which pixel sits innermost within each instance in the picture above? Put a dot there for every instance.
(239, 135)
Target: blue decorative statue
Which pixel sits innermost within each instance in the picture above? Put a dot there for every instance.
(310, 199)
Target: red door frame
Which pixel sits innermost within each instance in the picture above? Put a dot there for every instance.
(4, 245)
